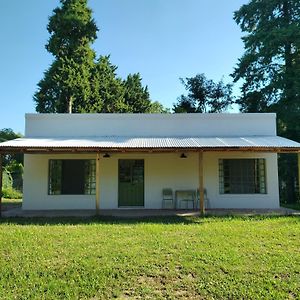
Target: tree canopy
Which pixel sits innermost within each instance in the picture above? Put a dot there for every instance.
(12, 163)
(137, 97)
(78, 82)
(270, 70)
(7, 134)
(204, 95)
(107, 88)
(66, 84)
(270, 66)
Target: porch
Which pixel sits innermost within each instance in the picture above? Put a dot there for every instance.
(145, 213)
(101, 163)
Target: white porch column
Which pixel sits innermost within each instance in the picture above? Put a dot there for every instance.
(97, 182)
(201, 184)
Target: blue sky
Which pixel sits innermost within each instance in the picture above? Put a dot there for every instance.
(161, 39)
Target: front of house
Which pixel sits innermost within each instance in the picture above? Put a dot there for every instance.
(120, 161)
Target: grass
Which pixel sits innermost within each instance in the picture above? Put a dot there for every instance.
(157, 258)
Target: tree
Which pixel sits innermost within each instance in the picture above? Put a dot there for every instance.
(204, 95)
(107, 89)
(137, 97)
(12, 163)
(270, 66)
(157, 108)
(66, 84)
(7, 134)
(270, 69)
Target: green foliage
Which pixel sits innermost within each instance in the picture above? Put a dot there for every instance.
(11, 193)
(107, 89)
(66, 84)
(270, 70)
(7, 189)
(12, 164)
(158, 258)
(157, 108)
(295, 206)
(75, 82)
(72, 30)
(65, 87)
(7, 134)
(137, 97)
(6, 179)
(270, 66)
(203, 96)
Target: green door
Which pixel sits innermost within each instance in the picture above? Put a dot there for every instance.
(131, 182)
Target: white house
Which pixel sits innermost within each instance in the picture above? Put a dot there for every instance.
(117, 161)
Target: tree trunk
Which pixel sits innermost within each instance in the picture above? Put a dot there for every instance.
(70, 104)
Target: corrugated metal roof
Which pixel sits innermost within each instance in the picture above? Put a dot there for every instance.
(126, 142)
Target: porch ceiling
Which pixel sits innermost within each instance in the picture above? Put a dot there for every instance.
(155, 144)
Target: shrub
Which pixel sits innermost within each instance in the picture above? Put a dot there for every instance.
(11, 193)
(7, 179)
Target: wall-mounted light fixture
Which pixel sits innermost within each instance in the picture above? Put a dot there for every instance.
(106, 155)
(183, 155)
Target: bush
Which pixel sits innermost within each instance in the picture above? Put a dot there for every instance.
(7, 190)
(10, 193)
(7, 179)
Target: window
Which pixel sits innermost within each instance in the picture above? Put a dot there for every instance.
(72, 177)
(242, 176)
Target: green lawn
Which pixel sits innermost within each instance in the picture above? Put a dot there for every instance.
(157, 258)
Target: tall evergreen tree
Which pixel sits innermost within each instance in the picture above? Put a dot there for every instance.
(75, 81)
(137, 97)
(203, 96)
(66, 84)
(107, 89)
(270, 68)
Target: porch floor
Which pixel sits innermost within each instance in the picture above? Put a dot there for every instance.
(137, 213)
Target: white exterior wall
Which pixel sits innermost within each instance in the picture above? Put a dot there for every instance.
(159, 125)
(35, 186)
(162, 170)
(217, 200)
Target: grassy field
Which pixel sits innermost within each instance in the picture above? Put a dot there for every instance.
(174, 258)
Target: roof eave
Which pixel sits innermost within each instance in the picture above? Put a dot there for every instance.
(59, 150)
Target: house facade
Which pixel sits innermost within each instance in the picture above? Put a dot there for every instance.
(121, 161)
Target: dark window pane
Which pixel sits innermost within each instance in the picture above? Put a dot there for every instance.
(72, 177)
(55, 167)
(242, 176)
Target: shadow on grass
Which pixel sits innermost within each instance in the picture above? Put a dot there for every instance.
(160, 220)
